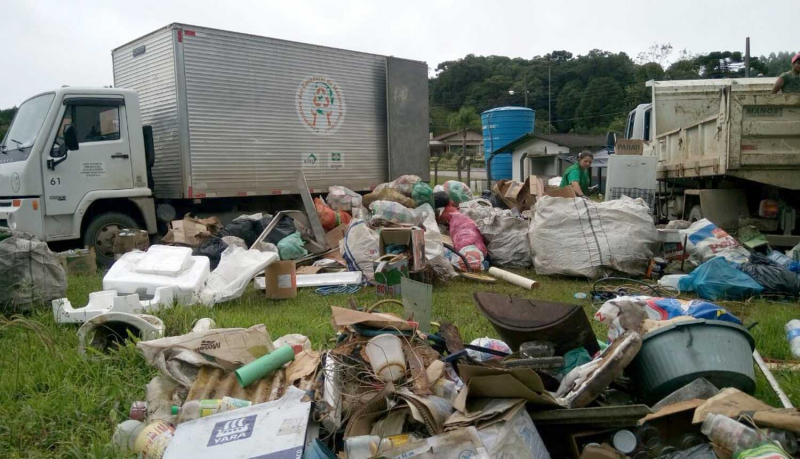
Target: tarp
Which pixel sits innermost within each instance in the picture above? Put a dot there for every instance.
(29, 273)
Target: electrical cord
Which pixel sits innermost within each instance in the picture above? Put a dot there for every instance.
(628, 287)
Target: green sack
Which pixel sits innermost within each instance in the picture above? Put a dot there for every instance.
(291, 247)
(422, 193)
(574, 359)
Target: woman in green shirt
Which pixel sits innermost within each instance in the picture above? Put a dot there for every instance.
(577, 175)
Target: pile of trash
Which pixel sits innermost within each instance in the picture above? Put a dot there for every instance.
(399, 385)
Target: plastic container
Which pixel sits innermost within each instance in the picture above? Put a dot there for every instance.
(362, 447)
(729, 434)
(148, 441)
(124, 278)
(536, 349)
(674, 356)
(648, 437)
(672, 281)
(787, 440)
(792, 328)
(780, 258)
(385, 354)
(624, 441)
(196, 409)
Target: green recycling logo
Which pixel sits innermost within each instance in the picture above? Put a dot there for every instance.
(320, 105)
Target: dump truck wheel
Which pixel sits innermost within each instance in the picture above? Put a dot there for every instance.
(101, 232)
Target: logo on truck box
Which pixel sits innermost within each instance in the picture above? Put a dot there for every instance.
(320, 104)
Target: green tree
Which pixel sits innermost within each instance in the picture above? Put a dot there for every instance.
(602, 100)
(462, 121)
(777, 63)
(567, 104)
(5, 120)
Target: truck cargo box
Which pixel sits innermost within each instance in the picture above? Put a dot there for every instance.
(236, 114)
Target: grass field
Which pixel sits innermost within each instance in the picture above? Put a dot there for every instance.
(57, 403)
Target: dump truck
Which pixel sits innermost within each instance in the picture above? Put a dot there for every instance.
(208, 121)
(728, 150)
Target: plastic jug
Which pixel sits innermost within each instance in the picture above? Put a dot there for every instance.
(793, 336)
(148, 441)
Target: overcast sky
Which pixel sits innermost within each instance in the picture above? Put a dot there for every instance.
(49, 43)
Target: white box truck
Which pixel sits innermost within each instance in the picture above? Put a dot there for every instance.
(208, 121)
(724, 146)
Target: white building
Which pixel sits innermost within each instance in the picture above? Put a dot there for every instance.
(541, 152)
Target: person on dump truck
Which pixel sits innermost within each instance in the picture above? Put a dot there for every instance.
(789, 82)
(577, 175)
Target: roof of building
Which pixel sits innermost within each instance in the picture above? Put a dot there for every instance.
(454, 133)
(567, 140)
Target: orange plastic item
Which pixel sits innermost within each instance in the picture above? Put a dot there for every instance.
(329, 218)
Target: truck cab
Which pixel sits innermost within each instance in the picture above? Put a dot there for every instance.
(637, 125)
(74, 167)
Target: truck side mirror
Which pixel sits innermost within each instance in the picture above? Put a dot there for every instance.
(70, 138)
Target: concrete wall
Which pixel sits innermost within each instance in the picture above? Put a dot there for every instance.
(547, 166)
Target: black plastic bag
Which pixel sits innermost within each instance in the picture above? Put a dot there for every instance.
(284, 228)
(773, 277)
(440, 199)
(243, 228)
(212, 249)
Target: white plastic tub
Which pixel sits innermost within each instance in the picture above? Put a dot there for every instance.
(385, 354)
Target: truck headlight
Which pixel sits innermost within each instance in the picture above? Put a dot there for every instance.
(12, 222)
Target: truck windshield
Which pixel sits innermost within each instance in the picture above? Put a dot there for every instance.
(25, 128)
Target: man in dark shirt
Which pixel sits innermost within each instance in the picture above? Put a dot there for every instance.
(789, 82)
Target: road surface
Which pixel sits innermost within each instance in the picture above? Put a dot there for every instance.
(475, 174)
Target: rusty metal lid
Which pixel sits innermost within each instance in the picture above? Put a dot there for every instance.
(522, 313)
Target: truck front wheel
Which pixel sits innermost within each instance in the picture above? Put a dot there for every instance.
(696, 214)
(101, 232)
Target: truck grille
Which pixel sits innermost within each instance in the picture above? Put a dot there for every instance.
(5, 203)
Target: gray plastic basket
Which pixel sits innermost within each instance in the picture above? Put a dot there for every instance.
(674, 356)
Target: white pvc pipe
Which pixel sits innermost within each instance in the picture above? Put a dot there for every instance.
(512, 278)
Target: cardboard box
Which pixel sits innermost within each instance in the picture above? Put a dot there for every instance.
(79, 262)
(266, 430)
(414, 238)
(566, 192)
(192, 231)
(389, 272)
(281, 280)
(128, 240)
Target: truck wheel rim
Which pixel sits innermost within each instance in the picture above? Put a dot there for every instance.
(104, 239)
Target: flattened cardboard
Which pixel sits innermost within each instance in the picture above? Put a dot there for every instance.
(733, 402)
(79, 262)
(521, 383)
(566, 192)
(669, 410)
(629, 147)
(192, 231)
(335, 235)
(308, 270)
(341, 317)
(280, 279)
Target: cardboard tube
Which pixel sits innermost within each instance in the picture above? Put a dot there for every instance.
(264, 365)
(512, 278)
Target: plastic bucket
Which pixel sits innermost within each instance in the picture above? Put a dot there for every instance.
(676, 355)
(385, 354)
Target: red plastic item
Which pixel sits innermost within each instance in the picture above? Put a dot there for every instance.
(447, 212)
(465, 232)
(329, 218)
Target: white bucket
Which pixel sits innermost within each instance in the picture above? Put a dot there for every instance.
(385, 354)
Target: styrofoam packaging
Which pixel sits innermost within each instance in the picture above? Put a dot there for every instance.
(165, 260)
(124, 278)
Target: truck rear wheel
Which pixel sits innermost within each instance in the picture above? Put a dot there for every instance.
(101, 232)
(696, 214)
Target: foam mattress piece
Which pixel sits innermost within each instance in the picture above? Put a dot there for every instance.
(165, 260)
(124, 278)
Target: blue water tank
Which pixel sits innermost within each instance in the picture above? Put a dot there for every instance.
(502, 126)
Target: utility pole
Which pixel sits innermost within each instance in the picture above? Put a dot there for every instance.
(526, 89)
(549, 110)
(747, 57)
